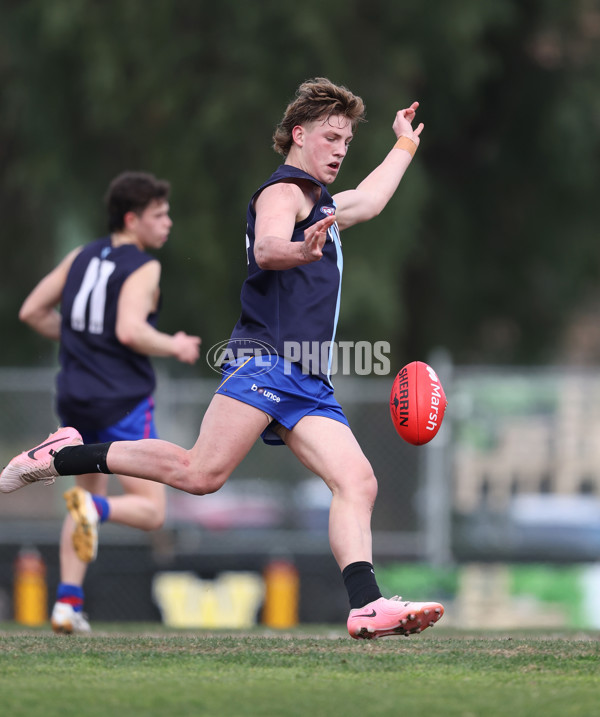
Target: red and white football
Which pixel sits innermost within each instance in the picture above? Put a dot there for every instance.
(417, 403)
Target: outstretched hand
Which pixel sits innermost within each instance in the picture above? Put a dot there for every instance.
(403, 123)
(314, 239)
(187, 348)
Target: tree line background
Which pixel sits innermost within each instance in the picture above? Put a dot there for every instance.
(490, 246)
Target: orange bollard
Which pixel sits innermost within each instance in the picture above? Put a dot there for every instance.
(30, 596)
(282, 589)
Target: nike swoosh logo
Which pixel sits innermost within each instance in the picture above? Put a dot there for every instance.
(32, 453)
(367, 614)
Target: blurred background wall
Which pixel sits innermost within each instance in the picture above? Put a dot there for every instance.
(486, 258)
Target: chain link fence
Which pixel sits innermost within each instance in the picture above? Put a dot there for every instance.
(513, 475)
(270, 507)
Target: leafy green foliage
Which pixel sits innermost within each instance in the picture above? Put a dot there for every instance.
(490, 243)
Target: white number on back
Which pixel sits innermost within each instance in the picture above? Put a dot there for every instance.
(92, 290)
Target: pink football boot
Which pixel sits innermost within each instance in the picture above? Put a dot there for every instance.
(392, 617)
(38, 463)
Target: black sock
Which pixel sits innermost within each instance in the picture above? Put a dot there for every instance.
(359, 579)
(77, 460)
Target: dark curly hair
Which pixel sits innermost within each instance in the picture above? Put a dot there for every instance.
(132, 192)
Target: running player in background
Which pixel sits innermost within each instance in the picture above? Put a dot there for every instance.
(109, 296)
(290, 299)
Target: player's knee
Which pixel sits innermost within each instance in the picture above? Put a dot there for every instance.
(205, 482)
(363, 484)
(359, 484)
(195, 477)
(369, 486)
(156, 520)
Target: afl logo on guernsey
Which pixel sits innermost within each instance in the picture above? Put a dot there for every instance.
(330, 211)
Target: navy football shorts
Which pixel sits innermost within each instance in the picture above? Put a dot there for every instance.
(280, 389)
(138, 423)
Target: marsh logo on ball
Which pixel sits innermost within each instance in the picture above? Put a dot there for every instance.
(417, 403)
(432, 374)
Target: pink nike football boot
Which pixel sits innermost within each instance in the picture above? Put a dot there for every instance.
(392, 617)
(38, 463)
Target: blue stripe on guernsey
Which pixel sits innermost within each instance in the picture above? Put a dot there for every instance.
(295, 311)
(335, 232)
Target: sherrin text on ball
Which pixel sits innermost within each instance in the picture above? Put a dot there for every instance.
(417, 403)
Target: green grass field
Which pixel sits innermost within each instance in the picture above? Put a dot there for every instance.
(135, 669)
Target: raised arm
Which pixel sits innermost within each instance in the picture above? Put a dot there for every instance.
(375, 191)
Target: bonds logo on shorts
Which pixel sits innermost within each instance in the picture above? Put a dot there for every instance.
(266, 392)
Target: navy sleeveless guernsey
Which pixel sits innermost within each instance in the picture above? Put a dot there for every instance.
(294, 311)
(100, 380)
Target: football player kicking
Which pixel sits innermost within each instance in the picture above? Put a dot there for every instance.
(290, 298)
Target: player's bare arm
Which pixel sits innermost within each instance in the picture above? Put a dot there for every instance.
(375, 191)
(278, 208)
(138, 299)
(39, 310)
